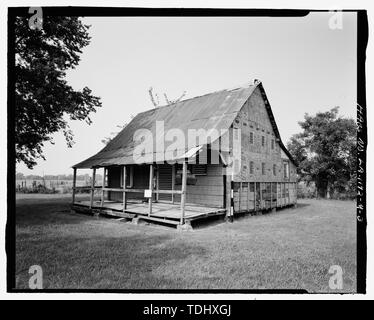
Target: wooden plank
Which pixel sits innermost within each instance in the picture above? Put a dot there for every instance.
(141, 190)
(271, 195)
(173, 222)
(184, 185)
(254, 188)
(115, 213)
(248, 190)
(228, 196)
(92, 187)
(157, 181)
(83, 188)
(74, 184)
(240, 195)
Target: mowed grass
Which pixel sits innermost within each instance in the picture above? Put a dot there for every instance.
(288, 249)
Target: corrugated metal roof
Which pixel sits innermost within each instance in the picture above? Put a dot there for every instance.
(216, 110)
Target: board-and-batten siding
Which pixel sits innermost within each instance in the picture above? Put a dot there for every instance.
(274, 194)
(254, 119)
(140, 181)
(165, 180)
(208, 190)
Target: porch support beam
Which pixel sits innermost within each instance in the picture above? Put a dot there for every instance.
(151, 189)
(74, 184)
(172, 182)
(184, 186)
(276, 195)
(254, 196)
(124, 189)
(229, 203)
(103, 187)
(92, 187)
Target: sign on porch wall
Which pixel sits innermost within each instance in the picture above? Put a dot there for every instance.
(147, 193)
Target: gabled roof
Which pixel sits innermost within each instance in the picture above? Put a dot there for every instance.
(215, 110)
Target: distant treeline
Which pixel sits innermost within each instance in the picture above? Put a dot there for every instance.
(84, 177)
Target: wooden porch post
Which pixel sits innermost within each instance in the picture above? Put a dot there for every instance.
(92, 187)
(254, 196)
(172, 182)
(228, 197)
(276, 195)
(102, 188)
(260, 195)
(240, 196)
(124, 187)
(248, 185)
(184, 183)
(150, 188)
(271, 195)
(157, 181)
(74, 184)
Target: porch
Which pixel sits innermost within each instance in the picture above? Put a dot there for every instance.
(163, 212)
(155, 192)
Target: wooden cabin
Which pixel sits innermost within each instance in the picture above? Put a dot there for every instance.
(242, 167)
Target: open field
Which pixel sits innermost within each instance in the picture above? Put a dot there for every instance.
(292, 248)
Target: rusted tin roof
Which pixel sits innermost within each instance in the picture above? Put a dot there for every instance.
(215, 110)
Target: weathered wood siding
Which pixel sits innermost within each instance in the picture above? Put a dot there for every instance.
(140, 181)
(253, 119)
(265, 186)
(251, 196)
(208, 190)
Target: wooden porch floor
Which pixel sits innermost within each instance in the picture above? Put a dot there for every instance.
(159, 209)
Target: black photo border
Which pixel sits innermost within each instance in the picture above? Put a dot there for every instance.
(362, 39)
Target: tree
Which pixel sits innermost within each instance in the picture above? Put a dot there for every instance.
(326, 151)
(44, 101)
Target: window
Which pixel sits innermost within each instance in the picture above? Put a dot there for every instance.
(286, 169)
(251, 137)
(263, 141)
(251, 167)
(274, 169)
(272, 144)
(263, 168)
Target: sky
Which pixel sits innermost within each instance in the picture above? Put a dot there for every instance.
(304, 65)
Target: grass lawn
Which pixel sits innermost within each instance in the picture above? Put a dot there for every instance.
(292, 248)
